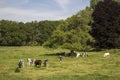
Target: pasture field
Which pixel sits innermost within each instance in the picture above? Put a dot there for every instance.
(93, 67)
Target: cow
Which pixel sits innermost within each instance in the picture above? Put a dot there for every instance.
(72, 53)
(21, 63)
(45, 63)
(78, 54)
(106, 54)
(84, 54)
(38, 63)
(30, 61)
(60, 58)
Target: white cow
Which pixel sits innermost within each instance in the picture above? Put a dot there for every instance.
(106, 54)
(78, 54)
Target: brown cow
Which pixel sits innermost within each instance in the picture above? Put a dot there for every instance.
(38, 63)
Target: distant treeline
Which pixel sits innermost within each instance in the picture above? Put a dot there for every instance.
(97, 26)
(31, 33)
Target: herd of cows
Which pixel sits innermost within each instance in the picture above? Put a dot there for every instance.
(38, 63)
(32, 62)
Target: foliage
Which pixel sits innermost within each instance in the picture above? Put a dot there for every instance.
(46, 30)
(17, 70)
(106, 26)
(11, 34)
(73, 33)
(93, 3)
(31, 33)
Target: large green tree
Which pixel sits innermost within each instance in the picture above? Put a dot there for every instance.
(93, 3)
(46, 29)
(73, 33)
(106, 26)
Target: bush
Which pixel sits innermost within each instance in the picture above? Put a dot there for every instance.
(33, 43)
(17, 70)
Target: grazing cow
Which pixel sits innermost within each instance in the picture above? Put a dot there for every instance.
(78, 54)
(30, 61)
(106, 54)
(65, 54)
(45, 63)
(60, 58)
(21, 63)
(84, 54)
(38, 63)
(72, 53)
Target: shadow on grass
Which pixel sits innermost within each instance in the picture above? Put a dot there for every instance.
(55, 54)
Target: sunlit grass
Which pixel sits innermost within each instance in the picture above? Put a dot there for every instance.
(93, 67)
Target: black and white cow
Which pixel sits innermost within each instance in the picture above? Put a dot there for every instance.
(84, 54)
(30, 61)
(21, 63)
(60, 58)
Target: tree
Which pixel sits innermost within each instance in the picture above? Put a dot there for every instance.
(93, 3)
(73, 33)
(46, 29)
(31, 33)
(106, 26)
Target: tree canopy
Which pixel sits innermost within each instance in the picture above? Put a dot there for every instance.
(93, 3)
(31, 33)
(106, 26)
(73, 33)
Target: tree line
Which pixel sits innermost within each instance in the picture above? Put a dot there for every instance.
(14, 33)
(97, 26)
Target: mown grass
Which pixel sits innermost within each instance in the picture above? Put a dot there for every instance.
(93, 67)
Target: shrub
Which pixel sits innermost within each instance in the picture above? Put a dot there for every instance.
(17, 70)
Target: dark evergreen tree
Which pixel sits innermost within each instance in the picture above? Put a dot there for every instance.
(93, 3)
(106, 26)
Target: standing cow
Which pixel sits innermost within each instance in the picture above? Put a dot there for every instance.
(21, 63)
(72, 54)
(38, 63)
(106, 54)
(84, 54)
(78, 54)
(45, 63)
(30, 61)
(60, 58)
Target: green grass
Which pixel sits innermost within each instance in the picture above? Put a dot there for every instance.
(94, 67)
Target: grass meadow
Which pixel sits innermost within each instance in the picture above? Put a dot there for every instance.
(93, 67)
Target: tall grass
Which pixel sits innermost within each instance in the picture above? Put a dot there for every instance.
(93, 67)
